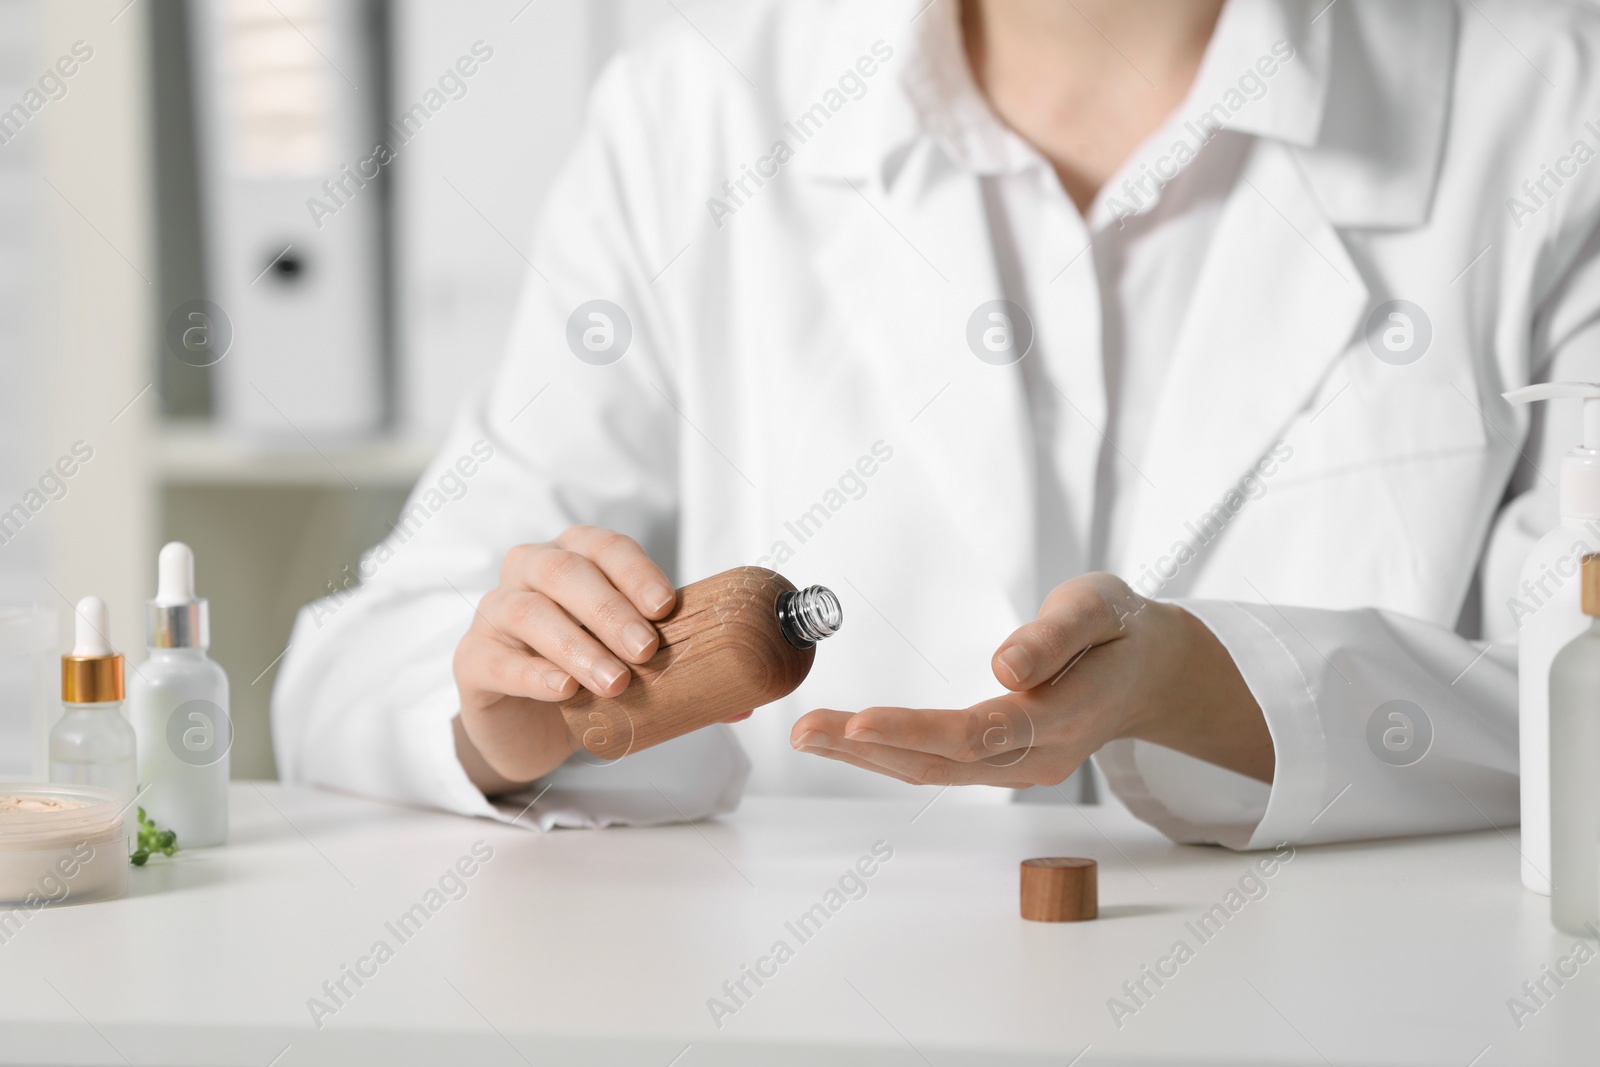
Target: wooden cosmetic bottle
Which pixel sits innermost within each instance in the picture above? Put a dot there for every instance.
(736, 641)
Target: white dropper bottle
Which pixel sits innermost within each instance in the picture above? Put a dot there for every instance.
(1548, 615)
(92, 744)
(180, 710)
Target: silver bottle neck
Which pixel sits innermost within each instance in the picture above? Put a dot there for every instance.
(186, 625)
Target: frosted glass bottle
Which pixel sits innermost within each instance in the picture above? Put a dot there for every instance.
(1575, 771)
(93, 744)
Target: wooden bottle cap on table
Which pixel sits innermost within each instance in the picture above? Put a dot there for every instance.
(1060, 889)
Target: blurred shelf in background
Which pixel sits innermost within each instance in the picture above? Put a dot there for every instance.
(271, 535)
(193, 453)
(271, 527)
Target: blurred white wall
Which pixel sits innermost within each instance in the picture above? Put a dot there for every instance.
(75, 309)
(21, 328)
(469, 186)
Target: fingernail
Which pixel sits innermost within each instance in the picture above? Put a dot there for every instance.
(608, 674)
(658, 597)
(556, 681)
(872, 737)
(1016, 660)
(636, 637)
(812, 739)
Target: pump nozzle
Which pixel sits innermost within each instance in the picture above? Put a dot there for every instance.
(1580, 468)
(1588, 392)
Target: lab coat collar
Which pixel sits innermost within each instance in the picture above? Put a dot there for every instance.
(1264, 74)
(1378, 150)
(946, 104)
(1363, 101)
(1233, 87)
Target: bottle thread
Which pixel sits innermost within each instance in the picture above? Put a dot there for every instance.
(809, 615)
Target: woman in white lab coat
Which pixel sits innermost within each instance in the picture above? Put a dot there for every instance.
(831, 287)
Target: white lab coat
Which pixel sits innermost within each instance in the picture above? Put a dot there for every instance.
(819, 332)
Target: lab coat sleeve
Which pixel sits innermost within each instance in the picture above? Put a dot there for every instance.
(1343, 693)
(366, 695)
(1339, 688)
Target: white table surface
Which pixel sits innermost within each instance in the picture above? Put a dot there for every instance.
(602, 947)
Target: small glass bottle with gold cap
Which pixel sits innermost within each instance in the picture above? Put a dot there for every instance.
(1575, 771)
(93, 744)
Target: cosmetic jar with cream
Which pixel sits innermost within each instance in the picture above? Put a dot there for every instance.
(60, 844)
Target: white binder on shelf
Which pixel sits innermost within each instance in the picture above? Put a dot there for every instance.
(287, 98)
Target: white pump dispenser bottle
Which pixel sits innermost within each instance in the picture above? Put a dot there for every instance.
(179, 699)
(1550, 615)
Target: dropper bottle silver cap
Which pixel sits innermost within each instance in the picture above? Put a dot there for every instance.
(176, 618)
